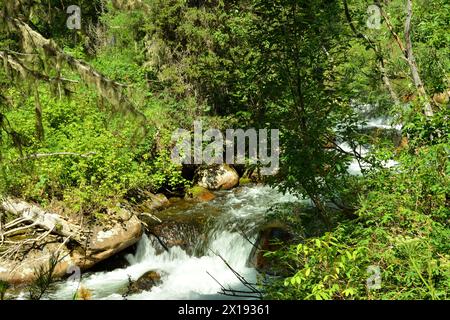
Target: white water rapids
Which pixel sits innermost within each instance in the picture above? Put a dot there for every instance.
(186, 276)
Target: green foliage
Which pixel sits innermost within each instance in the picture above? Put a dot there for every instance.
(402, 227)
(44, 282)
(107, 161)
(4, 286)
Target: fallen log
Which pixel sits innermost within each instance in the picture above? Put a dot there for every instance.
(39, 217)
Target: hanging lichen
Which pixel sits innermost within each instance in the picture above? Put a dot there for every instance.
(41, 57)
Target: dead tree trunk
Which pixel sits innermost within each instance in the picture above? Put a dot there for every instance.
(409, 55)
(412, 62)
(387, 81)
(41, 218)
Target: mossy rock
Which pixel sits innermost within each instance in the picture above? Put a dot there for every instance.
(199, 193)
(119, 212)
(245, 181)
(154, 202)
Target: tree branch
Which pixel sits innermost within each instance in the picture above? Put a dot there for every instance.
(39, 217)
(108, 89)
(377, 50)
(42, 155)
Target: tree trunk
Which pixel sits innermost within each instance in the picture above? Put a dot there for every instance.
(377, 51)
(409, 55)
(412, 63)
(387, 81)
(38, 114)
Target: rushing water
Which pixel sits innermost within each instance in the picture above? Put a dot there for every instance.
(381, 123)
(185, 276)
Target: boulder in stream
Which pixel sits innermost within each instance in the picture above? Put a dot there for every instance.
(170, 233)
(200, 194)
(218, 177)
(146, 282)
(270, 238)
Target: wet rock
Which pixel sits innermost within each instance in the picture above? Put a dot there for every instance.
(154, 202)
(117, 261)
(145, 283)
(271, 238)
(200, 194)
(219, 177)
(184, 234)
(178, 226)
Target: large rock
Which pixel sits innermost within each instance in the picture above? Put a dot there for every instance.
(24, 270)
(154, 202)
(270, 238)
(178, 232)
(220, 177)
(105, 241)
(145, 283)
(200, 194)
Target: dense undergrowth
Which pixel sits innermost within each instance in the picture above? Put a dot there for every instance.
(400, 236)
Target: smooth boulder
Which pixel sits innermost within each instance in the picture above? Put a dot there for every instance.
(220, 177)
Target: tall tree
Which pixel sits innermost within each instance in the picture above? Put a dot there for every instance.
(408, 54)
(300, 46)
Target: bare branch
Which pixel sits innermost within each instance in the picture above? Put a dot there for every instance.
(43, 155)
(37, 216)
(23, 70)
(252, 289)
(377, 50)
(408, 54)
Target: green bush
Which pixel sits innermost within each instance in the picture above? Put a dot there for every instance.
(402, 227)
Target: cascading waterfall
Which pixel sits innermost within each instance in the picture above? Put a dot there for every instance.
(186, 276)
